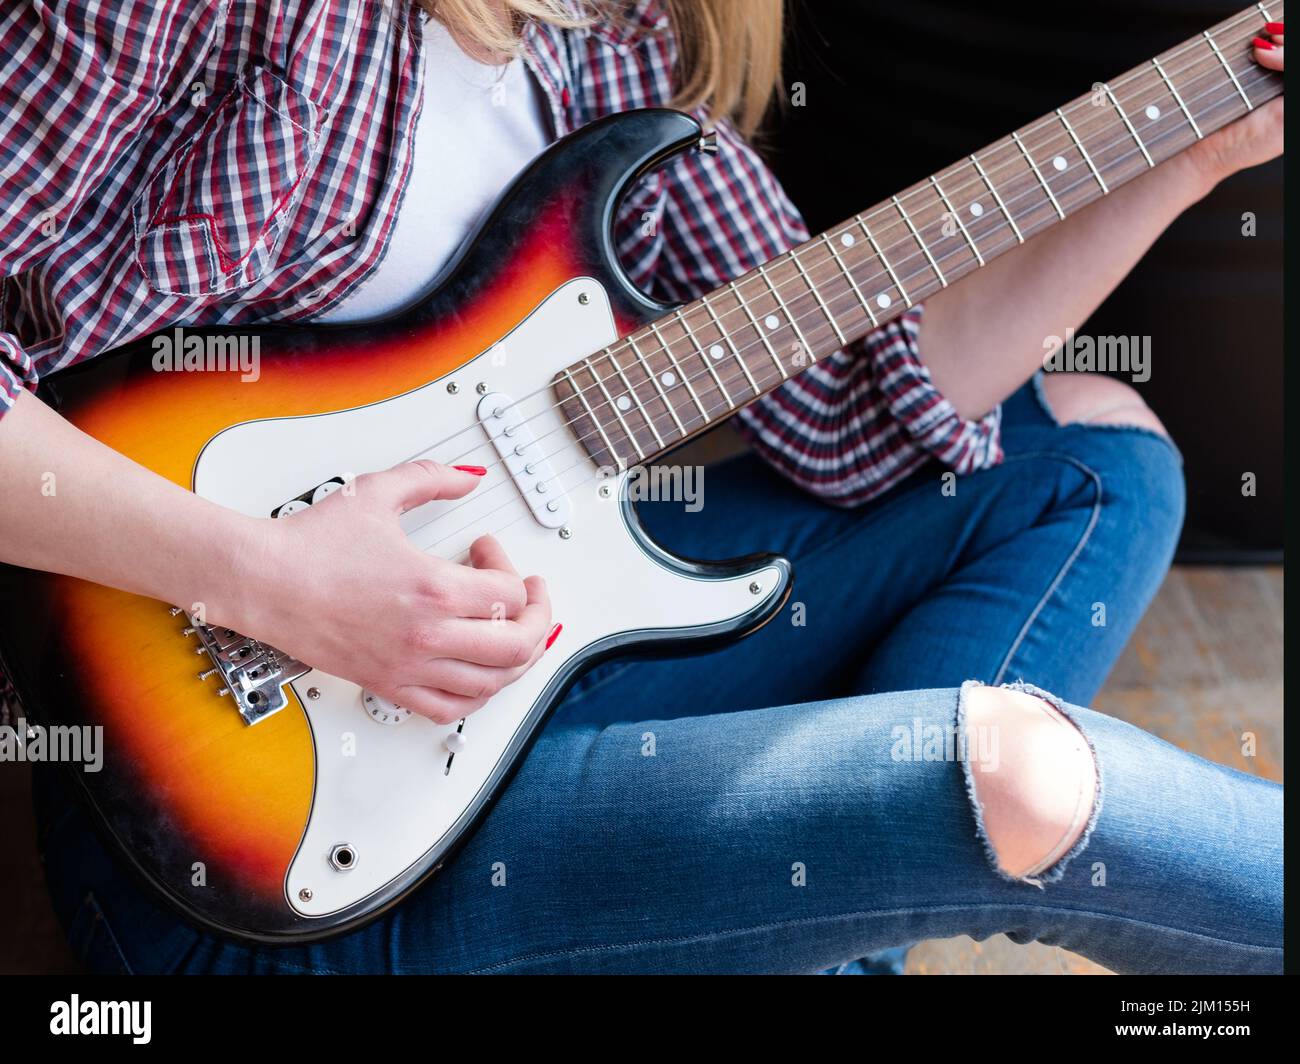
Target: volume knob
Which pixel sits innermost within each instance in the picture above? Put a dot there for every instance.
(381, 710)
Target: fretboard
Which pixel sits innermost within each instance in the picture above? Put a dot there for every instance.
(699, 364)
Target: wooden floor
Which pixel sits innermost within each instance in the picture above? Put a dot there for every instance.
(1204, 667)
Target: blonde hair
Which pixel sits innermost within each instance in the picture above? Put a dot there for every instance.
(728, 51)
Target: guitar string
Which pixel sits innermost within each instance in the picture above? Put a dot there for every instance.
(716, 411)
(1032, 229)
(1210, 63)
(654, 348)
(897, 225)
(768, 289)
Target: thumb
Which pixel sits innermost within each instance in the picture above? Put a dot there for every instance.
(411, 484)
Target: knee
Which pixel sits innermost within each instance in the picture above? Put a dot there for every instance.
(1035, 798)
(1142, 475)
(1089, 399)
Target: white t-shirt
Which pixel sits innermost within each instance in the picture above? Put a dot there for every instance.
(479, 125)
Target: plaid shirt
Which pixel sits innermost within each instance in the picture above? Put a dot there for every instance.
(243, 160)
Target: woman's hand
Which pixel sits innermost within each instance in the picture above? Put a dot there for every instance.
(350, 595)
(1255, 139)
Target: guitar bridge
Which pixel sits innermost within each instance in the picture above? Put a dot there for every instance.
(254, 673)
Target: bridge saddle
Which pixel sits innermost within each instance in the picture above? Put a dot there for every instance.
(254, 674)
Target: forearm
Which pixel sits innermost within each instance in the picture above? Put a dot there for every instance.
(983, 337)
(74, 506)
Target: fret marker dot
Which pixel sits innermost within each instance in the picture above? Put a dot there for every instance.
(668, 380)
(623, 402)
(883, 300)
(771, 321)
(716, 352)
(977, 209)
(1153, 112)
(847, 240)
(1059, 162)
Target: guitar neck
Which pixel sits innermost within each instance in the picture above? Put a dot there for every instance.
(679, 375)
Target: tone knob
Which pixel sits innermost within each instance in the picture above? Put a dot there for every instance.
(328, 488)
(381, 710)
(292, 507)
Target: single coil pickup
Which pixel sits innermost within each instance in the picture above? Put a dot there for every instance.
(524, 459)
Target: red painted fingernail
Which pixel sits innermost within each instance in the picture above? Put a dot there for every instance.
(555, 634)
(1273, 27)
(477, 470)
(1263, 45)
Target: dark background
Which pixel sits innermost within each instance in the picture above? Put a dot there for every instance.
(896, 91)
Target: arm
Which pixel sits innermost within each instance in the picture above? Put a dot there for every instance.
(1055, 281)
(409, 626)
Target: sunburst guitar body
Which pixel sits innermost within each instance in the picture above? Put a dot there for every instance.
(273, 801)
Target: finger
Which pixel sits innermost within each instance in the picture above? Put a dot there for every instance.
(441, 707)
(411, 484)
(487, 553)
(468, 679)
(500, 644)
(1268, 54)
(487, 593)
(535, 618)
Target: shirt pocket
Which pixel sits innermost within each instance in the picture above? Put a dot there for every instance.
(214, 218)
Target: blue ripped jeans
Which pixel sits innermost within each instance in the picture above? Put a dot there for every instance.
(748, 810)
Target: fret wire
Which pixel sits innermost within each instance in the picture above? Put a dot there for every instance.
(640, 406)
(582, 398)
(790, 318)
(654, 378)
(1228, 67)
(1082, 150)
(1124, 116)
(1255, 82)
(812, 287)
(945, 256)
(960, 224)
(627, 430)
(758, 329)
(1038, 173)
(915, 233)
(975, 160)
(1178, 96)
(1020, 237)
(735, 351)
(881, 256)
(686, 382)
(848, 274)
(704, 357)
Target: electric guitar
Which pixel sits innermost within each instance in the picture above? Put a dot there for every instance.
(270, 800)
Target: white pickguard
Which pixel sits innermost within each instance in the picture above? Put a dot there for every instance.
(383, 790)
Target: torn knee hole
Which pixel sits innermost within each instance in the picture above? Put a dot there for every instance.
(1095, 400)
(1033, 779)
